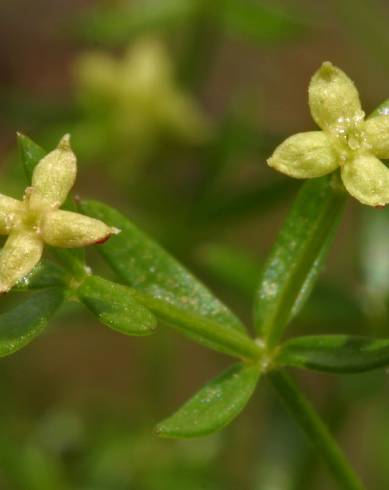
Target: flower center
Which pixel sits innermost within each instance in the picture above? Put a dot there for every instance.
(348, 137)
(34, 209)
(31, 219)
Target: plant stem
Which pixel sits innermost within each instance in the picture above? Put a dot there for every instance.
(315, 430)
(206, 332)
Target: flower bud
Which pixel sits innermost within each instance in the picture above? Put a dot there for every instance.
(333, 97)
(68, 230)
(55, 174)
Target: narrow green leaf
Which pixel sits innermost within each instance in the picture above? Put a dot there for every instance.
(382, 109)
(214, 406)
(169, 290)
(46, 274)
(257, 22)
(116, 307)
(297, 256)
(21, 324)
(30, 154)
(144, 265)
(335, 353)
(374, 257)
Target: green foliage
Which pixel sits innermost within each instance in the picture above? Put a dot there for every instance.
(115, 306)
(145, 266)
(46, 274)
(22, 323)
(214, 406)
(153, 286)
(297, 256)
(209, 333)
(381, 110)
(168, 290)
(374, 260)
(30, 154)
(335, 353)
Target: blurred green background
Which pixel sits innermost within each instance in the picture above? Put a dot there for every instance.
(173, 107)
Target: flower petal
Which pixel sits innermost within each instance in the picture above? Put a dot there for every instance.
(304, 155)
(69, 230)
(21, 252)
(367, 179)
(98, 75)
(333, 97)
(146, 68)
(377, 135)
(55, 174)
(9, 210)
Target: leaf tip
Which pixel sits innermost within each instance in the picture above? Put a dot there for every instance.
(159, 431)
(21, 140)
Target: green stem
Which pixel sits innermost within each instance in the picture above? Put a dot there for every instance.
(213, 335)
(315, 430)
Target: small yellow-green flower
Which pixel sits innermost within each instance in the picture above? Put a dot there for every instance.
(139, 93)
(347, 140)
(37, 219)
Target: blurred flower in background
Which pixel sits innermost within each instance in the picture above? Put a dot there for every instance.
(131, 103)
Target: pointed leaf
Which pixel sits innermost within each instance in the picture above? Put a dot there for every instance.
(169, 290)
(45, 274)
(335, 353)
(116, 307)
(381, 110)
(30, 154)
(297, 256)
(374, 257)
(214, 406)
(147, 267)
(21, 324)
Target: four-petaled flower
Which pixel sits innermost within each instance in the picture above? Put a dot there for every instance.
(347, 140)
(37, 219)
(139, 95)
